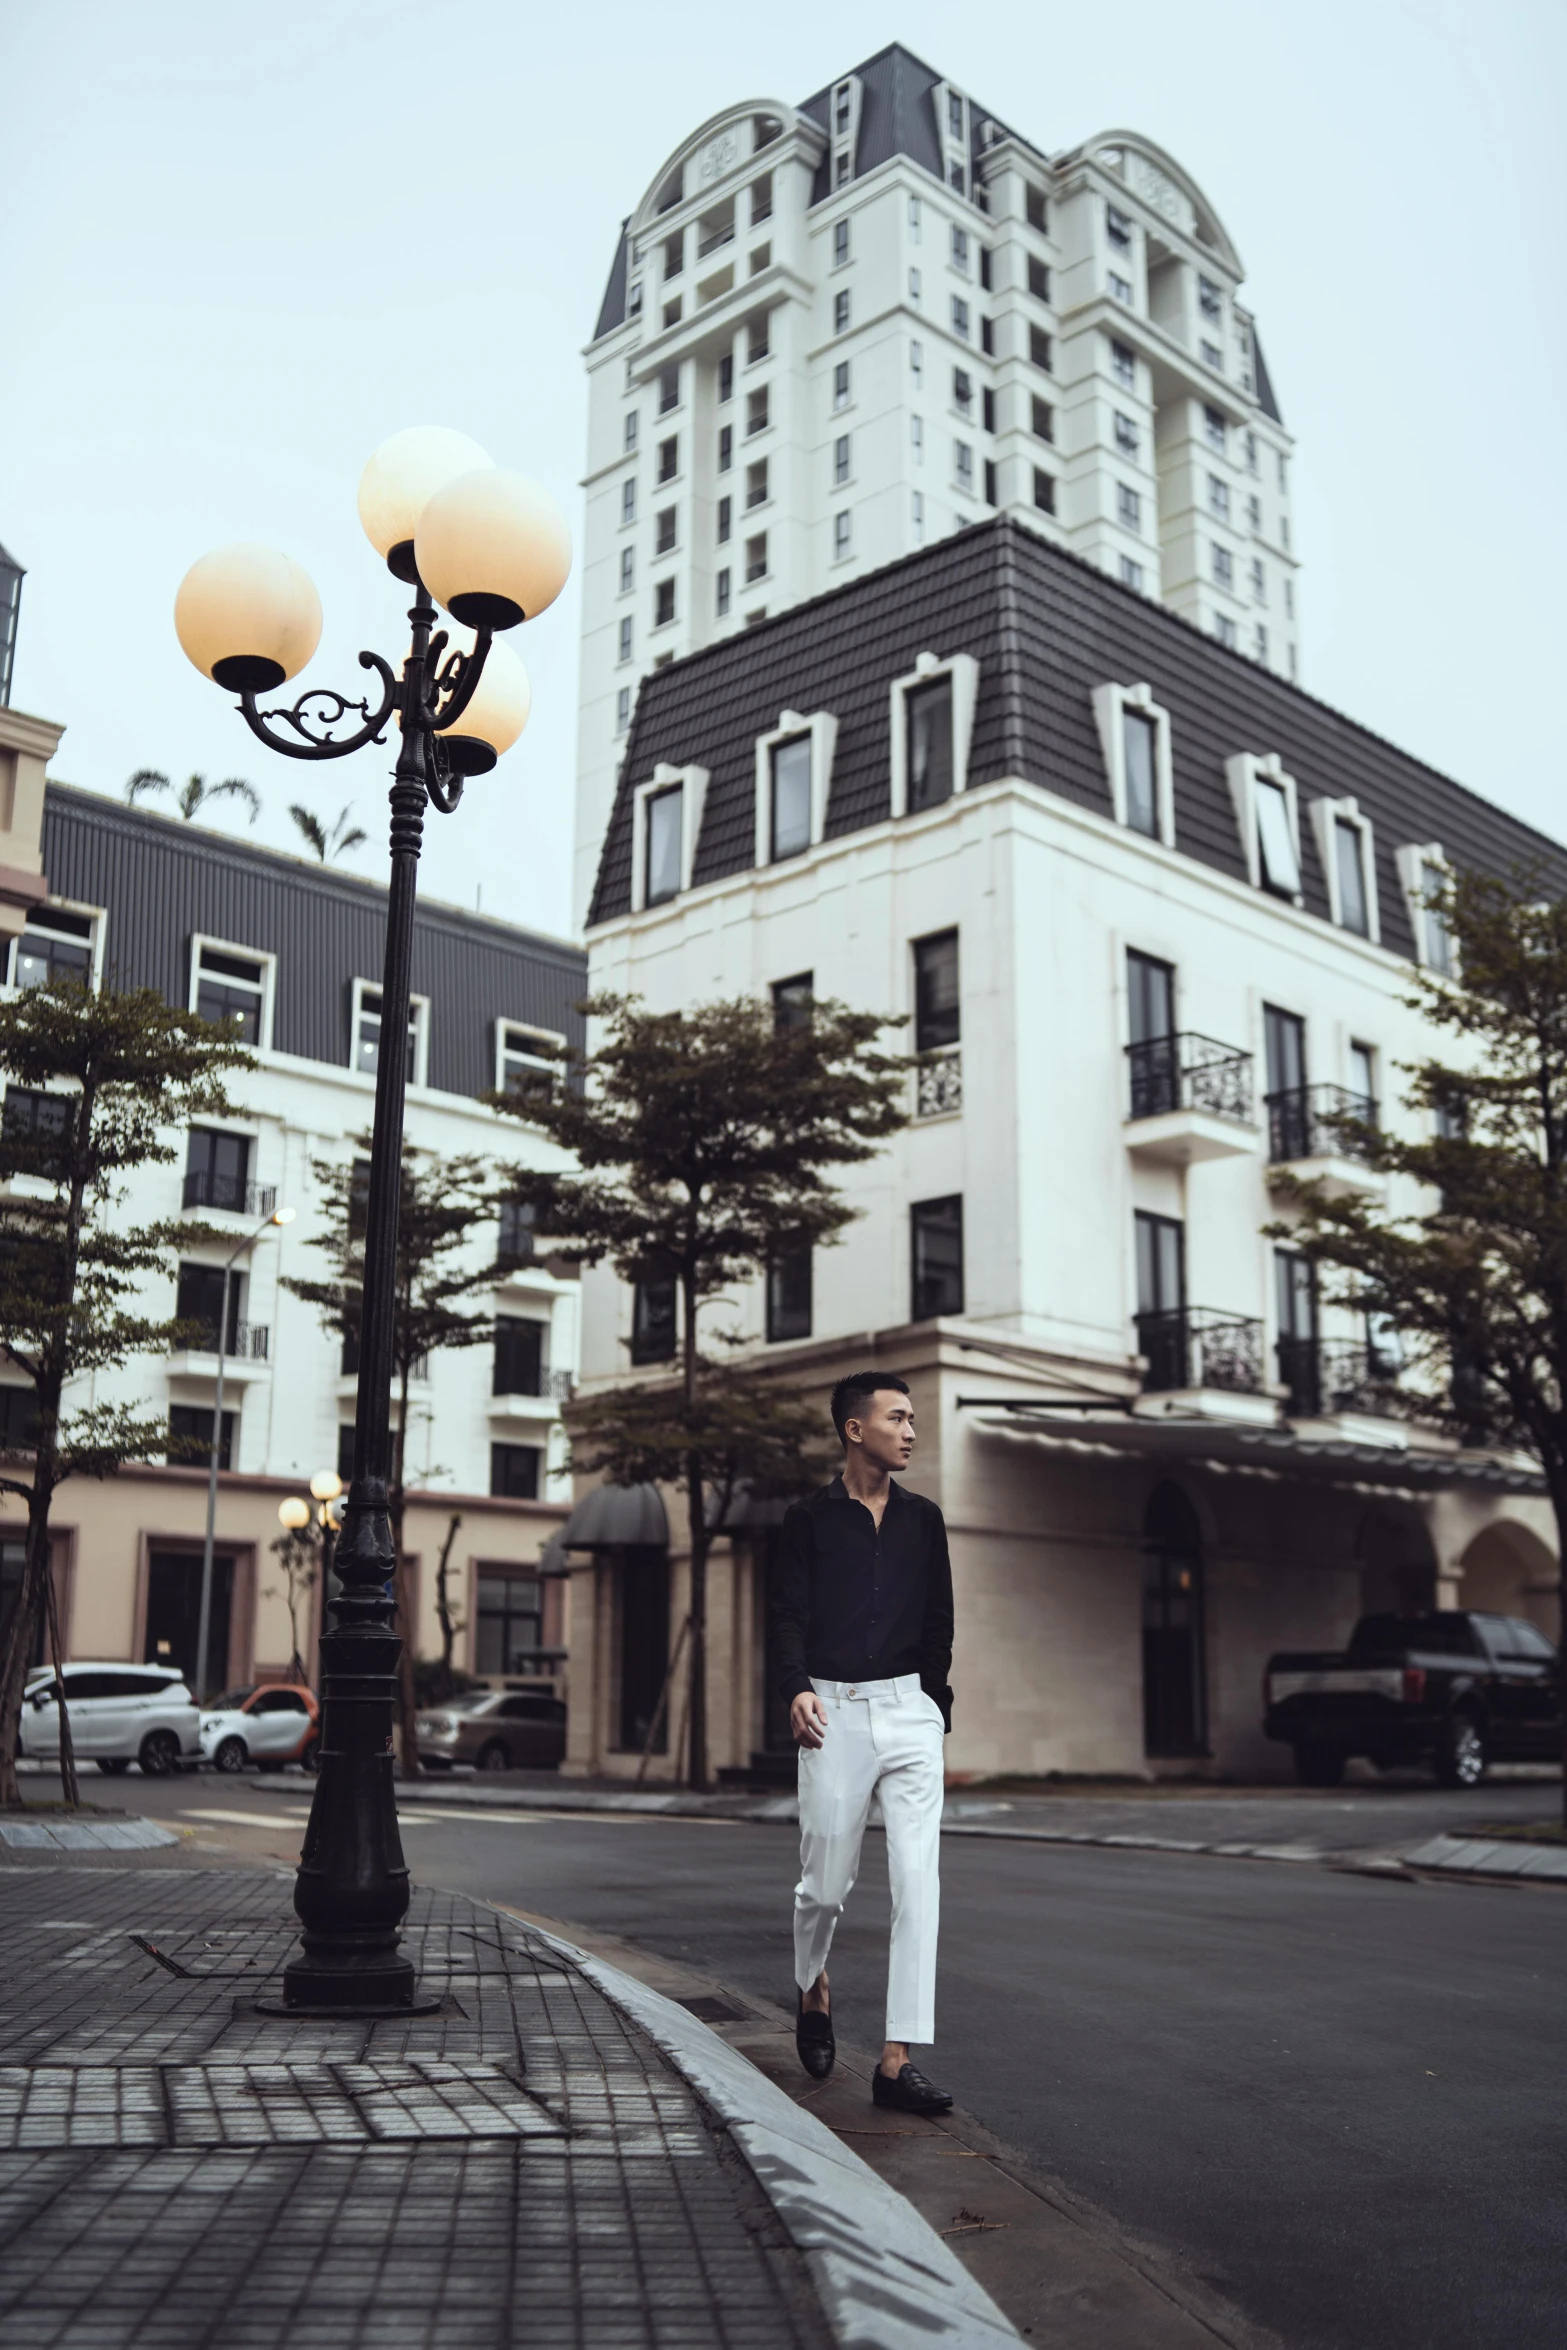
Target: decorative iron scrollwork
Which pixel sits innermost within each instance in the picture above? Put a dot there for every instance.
(316, 712)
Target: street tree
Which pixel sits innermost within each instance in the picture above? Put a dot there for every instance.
(440, 1200)
(327, 843)
(194, 793)
(298, 1552)
(1472, 1274)
(97, 1084)
(705, 1140)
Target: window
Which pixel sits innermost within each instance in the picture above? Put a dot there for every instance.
(190, 1431)
(1044, 490)
(1259, 581)
(633, 310)
(726, 447)
(628, 567)
(1035, 210)
(229, 988)
(1161, 1269)
(664, 532)
(914, 285)
(928, 719)
(792, 1000)
(1040, 349)
(1279, 864)
(960, 248)
(1123, 364)
(1218, 497)
(1127, 438)
(57, 945)
(663, 603)
(628, 501)
(1128, 506)
(917, 362)
(631, 432)
(1251, 457)
(985, 273)
(955, 177)
(217, 1165)
(1254, 512)
(936, 1007)
(840, 311)
(789, 1293)
(1289, 599)
(527, 1066)
(963, 465)
(1041, 418)
(669, 458)
(1150, 995)
(625, 638)
(34, 1124)
(514, 1235)
(840, 460)
(756, 484)
(757, 344)
(1363, 1076)
(725, 520)
(914, 220)
(1349, 864)
(1223, 567)
(1131, 573)
(1213, 357)
(721, 594)
(198, 1299)
(506, 1629)
(756, 558)
(841, 536)
(1120, 288)
(960, 317)
(1118, 228)
(518, 1367)
(1208, 298)
(988, 409)
(726, 378)
(1140, 742)
(840, 243)
(1438, 938)
(1224, 631)
(1038, 279)
(840, 384)
(789, 829)
(367, 1031)
(664, 841)
(514, 1476)
(936, 1230)
(917, 438)
(668, 388)
(654, 1312)
(987, 336)
(917, 511)
(675, 253)
(756, 411)
(1215, 428)
(1260, 641)
(762, 199)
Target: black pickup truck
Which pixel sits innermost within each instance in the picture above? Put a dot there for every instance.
(1456, 1690)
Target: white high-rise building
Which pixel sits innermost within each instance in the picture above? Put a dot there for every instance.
(835, 332)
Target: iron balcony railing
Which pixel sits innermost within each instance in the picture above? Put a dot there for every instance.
(1189, 1072)
(1319, 1122)
(938, 1082)
(523, 1379)
(247, 1341)
(1328, 1375)
(1196, 1346)
(206, 1190)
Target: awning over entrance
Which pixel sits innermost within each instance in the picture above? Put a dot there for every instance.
(1279, 1452)
(615, 1515)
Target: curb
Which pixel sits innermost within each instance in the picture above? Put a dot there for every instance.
(885, 2279)
(127, 1835)
(1467, 1856)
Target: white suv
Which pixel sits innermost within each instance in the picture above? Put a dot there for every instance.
(119, 1714)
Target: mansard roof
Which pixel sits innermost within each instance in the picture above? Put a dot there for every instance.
(1046, 628)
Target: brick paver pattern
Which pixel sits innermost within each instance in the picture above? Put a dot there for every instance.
(177, 2168)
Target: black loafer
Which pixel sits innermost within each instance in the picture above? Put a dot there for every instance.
(813, 2036)
(909, 2093)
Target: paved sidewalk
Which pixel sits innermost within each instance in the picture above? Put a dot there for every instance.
(557, 2156)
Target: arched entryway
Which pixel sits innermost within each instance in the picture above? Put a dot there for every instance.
(1510, 1571)
(1175, 1677)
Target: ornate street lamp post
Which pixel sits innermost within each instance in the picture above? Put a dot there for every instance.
(493, 550)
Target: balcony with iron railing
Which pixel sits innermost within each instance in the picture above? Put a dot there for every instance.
(523, 1383)
(247, 1353)
(1325, 1134)
(1192, 1347)
(938, 1082)
(1326, 1377)
(1190, 1098)
(204, 1189)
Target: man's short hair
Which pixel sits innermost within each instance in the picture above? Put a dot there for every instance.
(851, 1395)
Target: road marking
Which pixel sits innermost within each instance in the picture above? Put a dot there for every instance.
(251, 1819)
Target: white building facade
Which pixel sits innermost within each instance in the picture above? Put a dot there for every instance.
(1151, 914)
(292, 953)
(834, 333)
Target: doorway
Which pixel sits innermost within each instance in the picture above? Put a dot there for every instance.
(1175, 1679)
(643, 1577)
(174, 1616)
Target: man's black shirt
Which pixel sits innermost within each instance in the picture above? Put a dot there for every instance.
(854, 1602)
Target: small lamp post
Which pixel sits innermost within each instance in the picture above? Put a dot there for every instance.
(492, 549)
(204, 1612)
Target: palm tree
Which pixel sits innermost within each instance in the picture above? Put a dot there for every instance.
(193, 794)
(336, 843)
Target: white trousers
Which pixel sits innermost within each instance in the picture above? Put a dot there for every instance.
(883, 1739)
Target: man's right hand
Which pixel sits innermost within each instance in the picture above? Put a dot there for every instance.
(808, 1719)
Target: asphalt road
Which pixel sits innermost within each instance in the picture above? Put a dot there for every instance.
(1338, 2100)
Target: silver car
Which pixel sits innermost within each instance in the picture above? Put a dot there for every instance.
(495, 1730)
(119, 1714)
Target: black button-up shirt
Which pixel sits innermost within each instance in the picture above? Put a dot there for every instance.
(852, 1601)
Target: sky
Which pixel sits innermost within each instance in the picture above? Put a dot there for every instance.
(242, 246)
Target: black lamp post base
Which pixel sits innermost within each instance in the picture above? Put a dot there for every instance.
(352, 1976)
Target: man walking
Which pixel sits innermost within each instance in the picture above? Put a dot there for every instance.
(861, 1631)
